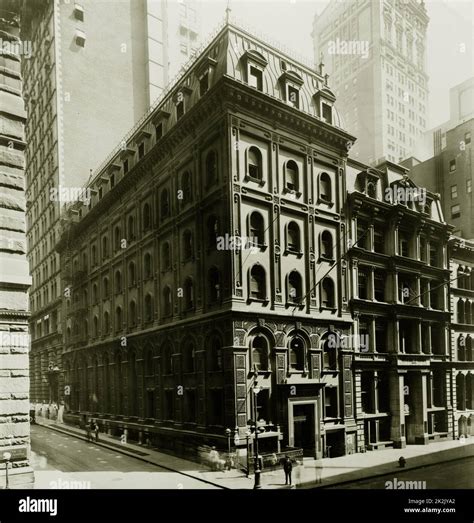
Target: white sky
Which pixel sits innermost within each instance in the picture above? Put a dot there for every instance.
(290, 22)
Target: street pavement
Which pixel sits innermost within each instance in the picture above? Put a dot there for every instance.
(310, 474)
(457, 474)
(62, 461)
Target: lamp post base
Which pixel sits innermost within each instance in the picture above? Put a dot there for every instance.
(257, 484)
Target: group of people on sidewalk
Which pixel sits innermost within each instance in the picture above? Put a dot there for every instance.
(51, 411)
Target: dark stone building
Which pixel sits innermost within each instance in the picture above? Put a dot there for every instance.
(165, 320)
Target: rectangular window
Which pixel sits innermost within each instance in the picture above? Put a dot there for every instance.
(467, 138)
(141, 150)
(455, 211)
(125, 167)
(452, 166)
(179, 110)
(362, 285)
(203, 84)
(330, 402)
(190, 406)
(159, 131)
(454, 192)
(327, 113)
(112, 181)
(255, 78)
(79, 12)
(379, 243)
(293, 97)
(169, 397)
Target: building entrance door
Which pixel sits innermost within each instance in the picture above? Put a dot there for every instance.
(303, 423)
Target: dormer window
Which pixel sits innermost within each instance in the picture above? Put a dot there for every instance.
(327, 113)
(159, 131)
(291, 84)
(179, 109)
(254, 65)
(204, 83)
(293, 96)
(159, 122)
(255, 78)
(141, 150)
(125, 166)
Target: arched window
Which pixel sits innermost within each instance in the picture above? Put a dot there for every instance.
(167, 359)
(94, 255)
(330, 345)
(216, 354)
(467, 312)
(372, 190)
(297, 353)
(293, 237)
(295, 287)
(187, 245)
(147, 266)
(117, 238)
(148, 307)
(96, 326)
(146, 217)
(461, 348)
(325, 191)
(131, 228)
(118, 282)
(106, 322)
(188, 294)
(257, 287)
(187, 188)
(254, 163)
(327, 293)
(256, 228)
(105, 247)
(165, 257)
(132, 313)
(164, 204)
(326, 245)
(189, 355)
(260, 353)
(118, 319)
(469, 348)
(212, 231)
(461, 391)
(167, 303)
(214, 281)
(291, 176)
(105, 287)
(211, 168)
(460, 311)
(132, 273)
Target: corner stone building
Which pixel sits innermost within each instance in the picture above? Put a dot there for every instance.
(164, 321)
(14, 279)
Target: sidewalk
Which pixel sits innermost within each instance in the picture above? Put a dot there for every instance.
(334, 470)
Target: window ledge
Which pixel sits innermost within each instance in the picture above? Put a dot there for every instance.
(326, 259)
(295, 304)
(323, 308)
(329, 203)
(259, 181)
(299, 254)
(294, 192)
(259, 300)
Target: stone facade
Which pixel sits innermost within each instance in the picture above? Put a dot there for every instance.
(14, 279)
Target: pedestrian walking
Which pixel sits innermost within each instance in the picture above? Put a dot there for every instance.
(88, 432)
(96, 431)
(287, 467)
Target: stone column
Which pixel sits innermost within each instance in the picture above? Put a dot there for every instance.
(14, 272)
(397, 403)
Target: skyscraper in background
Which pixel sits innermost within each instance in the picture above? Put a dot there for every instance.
(375, 54)
(86, 83)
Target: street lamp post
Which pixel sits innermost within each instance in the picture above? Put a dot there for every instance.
(256, 390)
(6, 456)
(228, 433)
(247, 437)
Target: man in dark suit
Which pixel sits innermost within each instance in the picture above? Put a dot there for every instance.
(287, 467)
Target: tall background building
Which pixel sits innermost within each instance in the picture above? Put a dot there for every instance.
(375, 53)
(449, 170)
(86, 83)
(14, 277)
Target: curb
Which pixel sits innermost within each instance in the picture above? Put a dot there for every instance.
(130, 454)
